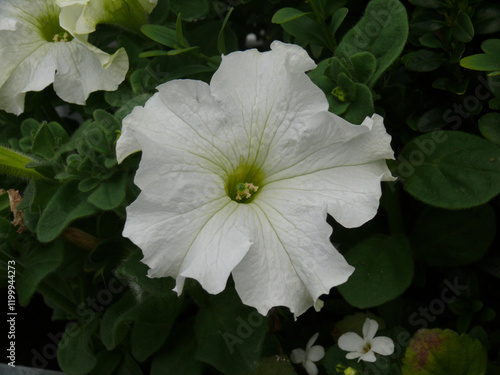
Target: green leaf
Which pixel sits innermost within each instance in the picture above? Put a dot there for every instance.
(337, 19)
(190, 9)
(488, 61)
(450, 169)
(423, 60)
(14, 163)
(463, 30)
(135, 271)
(229, 334)
(454, 238)
(178, 51)
(286, 15)
(444, 352)
(364, 65)
(275, 365)
(153, 319)
(39, 262)
(489, 126)
(176, 357)
(361, 106)
(221, 40)
(153, 53)
(432, 120)
(306, 29)
(161, 34)
(486, 18)
(110, 193)
(74, 352)
(107, 361)
(113, 328)
(178, 31)
(384, 269)
(66, 205)
(125, 110)
(431, 4)
(382, 31)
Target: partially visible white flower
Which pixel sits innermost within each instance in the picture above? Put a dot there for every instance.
(82, 16)
(309, 356)
(36, 51)
(364, 348)
(237, 178)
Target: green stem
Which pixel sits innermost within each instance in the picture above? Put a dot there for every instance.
(318, 12)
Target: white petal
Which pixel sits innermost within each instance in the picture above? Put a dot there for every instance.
(183, 115)
(351, 342)
(310, 367)
(311, 341)
(335, 162)
(383, 345)
(82, 16)
(370, 328)
(316, 353)
(292, 261)
(82, 69)
(263, 93)
(368, 357)
(353, 355)
(296, 58)
(298, 355)
(183, 221)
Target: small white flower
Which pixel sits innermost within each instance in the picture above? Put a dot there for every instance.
(365, 348)
(36, 51)
(82, 16)
(309, 356)
(237, 178)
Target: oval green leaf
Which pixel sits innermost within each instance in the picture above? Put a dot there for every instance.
(489, 126)
(450, 169)
(384, 269)
(453, 238)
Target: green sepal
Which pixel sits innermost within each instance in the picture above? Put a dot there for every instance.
(14, 163)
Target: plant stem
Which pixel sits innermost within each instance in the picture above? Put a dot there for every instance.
(319, 13)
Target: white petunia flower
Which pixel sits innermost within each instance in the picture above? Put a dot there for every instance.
(237, 177)
(82, 16)
(364, 348)
(309, 356)
(36, 51)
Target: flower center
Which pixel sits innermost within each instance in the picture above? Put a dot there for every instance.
(245, 190)
(243, 184)
(61, 37)
(367, 347)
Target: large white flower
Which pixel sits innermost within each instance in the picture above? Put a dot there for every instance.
(82, 16)
(237, 178)
(364, 348)
(36, 51)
